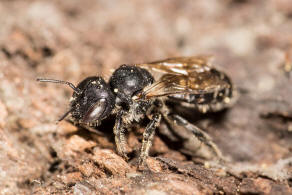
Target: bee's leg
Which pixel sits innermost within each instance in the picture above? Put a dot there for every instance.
(148, 137)
(119, 131)
(174, 119)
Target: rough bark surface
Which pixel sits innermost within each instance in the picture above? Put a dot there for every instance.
(70, 40)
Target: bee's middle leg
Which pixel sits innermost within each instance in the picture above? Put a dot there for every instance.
(148, 137)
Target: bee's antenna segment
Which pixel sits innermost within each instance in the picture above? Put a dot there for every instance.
(60, 82)
(64, 116)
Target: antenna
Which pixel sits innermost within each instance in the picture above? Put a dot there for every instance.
(60, 82)
(64, 115)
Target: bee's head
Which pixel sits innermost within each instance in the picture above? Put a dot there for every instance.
(92, 100)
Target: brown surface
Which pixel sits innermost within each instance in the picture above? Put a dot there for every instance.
(71, 40)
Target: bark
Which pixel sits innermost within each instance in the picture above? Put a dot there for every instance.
(71, 40)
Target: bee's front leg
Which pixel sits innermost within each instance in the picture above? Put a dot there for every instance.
(119, 131)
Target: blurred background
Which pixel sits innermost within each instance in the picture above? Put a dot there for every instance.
(72, 39)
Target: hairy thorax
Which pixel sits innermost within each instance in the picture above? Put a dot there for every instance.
(137, 111)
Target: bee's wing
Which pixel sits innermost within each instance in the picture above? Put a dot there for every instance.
(192, 75)
(178, 65)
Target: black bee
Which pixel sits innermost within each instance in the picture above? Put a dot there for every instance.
(132, 94)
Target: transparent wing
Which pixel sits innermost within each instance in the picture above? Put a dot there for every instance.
(179, 65)
(188, 75)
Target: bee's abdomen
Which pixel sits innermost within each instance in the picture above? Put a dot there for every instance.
(209, 101)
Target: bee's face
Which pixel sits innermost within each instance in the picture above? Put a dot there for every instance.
(94, 103)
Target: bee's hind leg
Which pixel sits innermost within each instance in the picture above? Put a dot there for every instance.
(176, 120)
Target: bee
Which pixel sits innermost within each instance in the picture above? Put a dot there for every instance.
(138, 91)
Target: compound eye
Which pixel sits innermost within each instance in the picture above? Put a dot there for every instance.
(96, 111)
